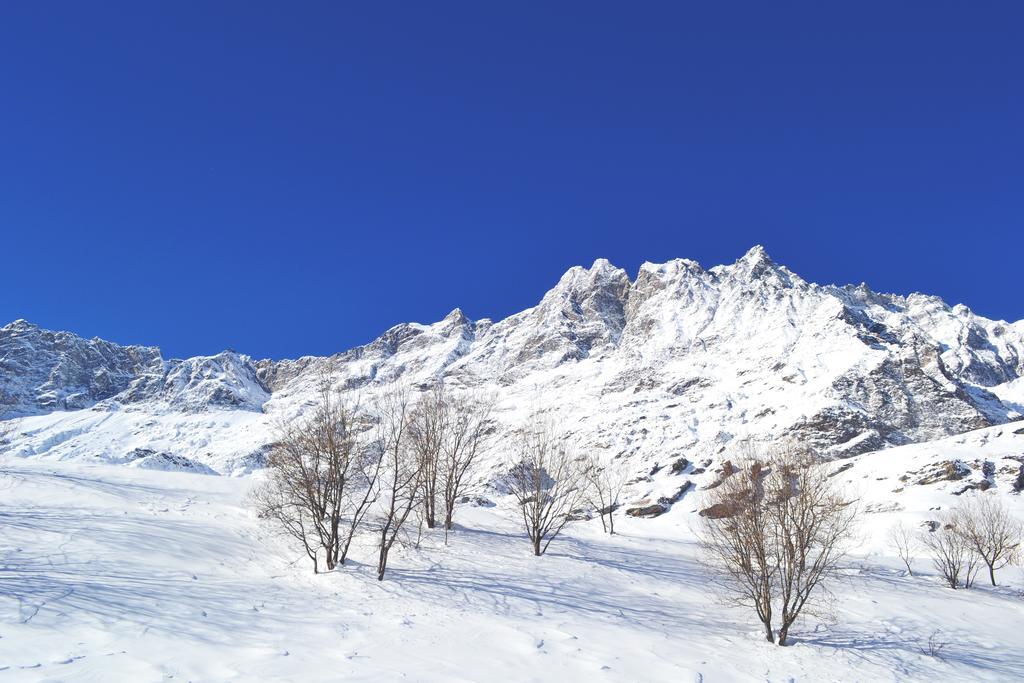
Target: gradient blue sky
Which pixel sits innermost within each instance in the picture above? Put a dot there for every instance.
(293, 178)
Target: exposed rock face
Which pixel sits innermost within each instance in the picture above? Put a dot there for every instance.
(680, 362)
(654, 510)
(147, 459)
(718, 511)
(226, 380)
(43, 371)
(950, 470)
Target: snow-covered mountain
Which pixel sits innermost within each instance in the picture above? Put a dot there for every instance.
(678, 362)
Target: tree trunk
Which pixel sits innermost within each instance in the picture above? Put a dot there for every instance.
(992, 574)
(335, 541)
(766, 620)
(382, 563)
(382, 557)
(536, 547)
(331, 555)
(428, 509)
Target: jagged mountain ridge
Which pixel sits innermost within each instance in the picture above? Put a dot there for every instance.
(679, 360)
(44, 371)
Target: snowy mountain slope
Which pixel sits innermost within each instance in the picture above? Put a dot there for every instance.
(116, 573)
(681, 361)
(230, 441)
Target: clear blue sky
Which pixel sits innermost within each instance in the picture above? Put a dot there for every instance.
(287, 178)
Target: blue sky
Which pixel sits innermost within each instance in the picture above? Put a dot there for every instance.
(294, 178)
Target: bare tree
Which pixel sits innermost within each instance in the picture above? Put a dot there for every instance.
(604, 485)
(775, 532)
(361, 497)
(310, 473)
(813, 525)
(736, 540)
(951, 553)
(448, 433)
(402, 475)
(427, 429)
(546, 481)
(905, 541)
(990, 530)
(467, 431)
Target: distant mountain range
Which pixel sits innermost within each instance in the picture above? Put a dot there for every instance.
(679, 361)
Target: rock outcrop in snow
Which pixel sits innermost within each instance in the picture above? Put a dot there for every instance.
(680, 361)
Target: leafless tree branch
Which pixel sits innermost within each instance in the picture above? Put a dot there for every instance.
(546, 480)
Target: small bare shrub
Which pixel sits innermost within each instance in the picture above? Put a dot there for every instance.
(905, 541)
(935, 645)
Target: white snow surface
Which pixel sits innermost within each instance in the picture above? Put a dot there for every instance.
(222, 439)
(119, 573)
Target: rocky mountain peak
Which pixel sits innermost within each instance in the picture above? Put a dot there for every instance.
(756, 255)
(579, 281)
(19, 325)
(757, 267)
(456, 317)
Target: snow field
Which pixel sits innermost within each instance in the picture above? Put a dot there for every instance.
(118, 573)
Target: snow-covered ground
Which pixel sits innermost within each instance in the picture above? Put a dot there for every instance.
(122, 573)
